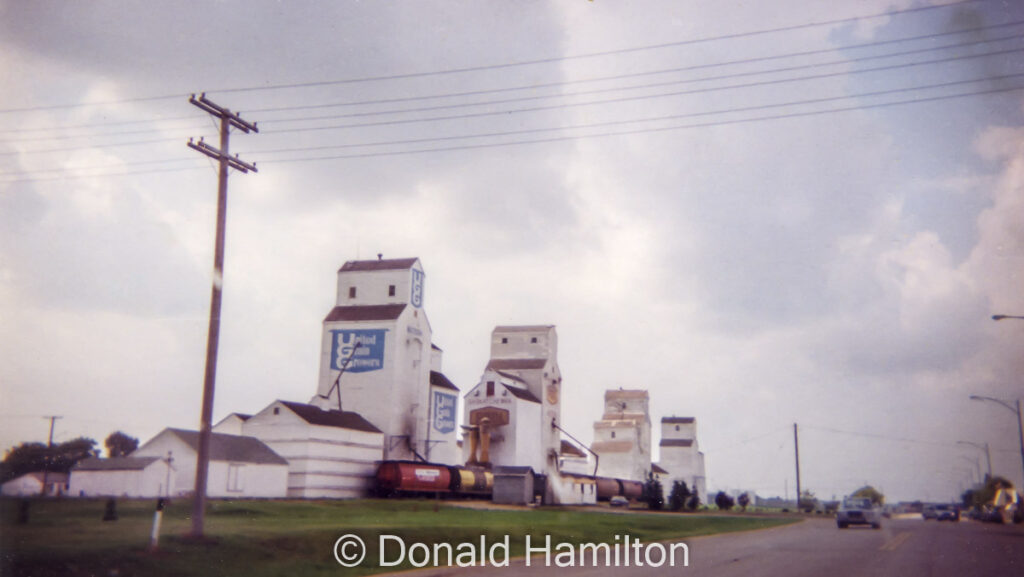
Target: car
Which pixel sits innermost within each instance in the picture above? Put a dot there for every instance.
(858, 511)
(618, 501)
(947, 513)
(929, 512)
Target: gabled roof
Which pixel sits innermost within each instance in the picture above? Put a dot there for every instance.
(232, 448)
(379, 264)
(439, 380)
(570, 449)
(510, 377)
(522, 394)
(676, 443)
(366, 313)
(516, 364)
(679, 420)
(658, 470)
(341, 419)
(116, 464)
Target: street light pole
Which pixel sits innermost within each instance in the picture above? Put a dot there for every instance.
(1020, 421)
(984, 447)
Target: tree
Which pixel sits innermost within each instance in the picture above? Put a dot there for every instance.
(743, 501)
(32, 457)
(869, 492)
(119, 444)
(694, 502)
(680, 494)
(652, 493)
(723, 501)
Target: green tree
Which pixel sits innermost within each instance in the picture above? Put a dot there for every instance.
(694, 502)
(723, 501)
(652, 493)
(32, 457)
(680, 494)
(119, 444)
(743, 501)
(869, 492)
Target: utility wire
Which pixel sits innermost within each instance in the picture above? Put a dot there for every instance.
(623, 98)
(659, 129)
(732, 36)
(690, 42)
(622, 122)
(667, 70)
(691, 115)
(605, 90)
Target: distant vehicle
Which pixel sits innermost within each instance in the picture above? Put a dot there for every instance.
(929, 512)
(947, 513)
(858, 511)
(618, 501)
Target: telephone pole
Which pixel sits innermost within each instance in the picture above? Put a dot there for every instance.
(228, 120)
(796, 448)
(49, 453)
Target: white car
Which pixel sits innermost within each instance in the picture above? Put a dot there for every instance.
(858, 511)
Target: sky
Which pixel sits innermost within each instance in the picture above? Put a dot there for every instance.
(764, 214)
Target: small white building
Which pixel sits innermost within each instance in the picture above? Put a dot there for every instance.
(241, 467)
(329, 453)
(31, 484)
(123, 477)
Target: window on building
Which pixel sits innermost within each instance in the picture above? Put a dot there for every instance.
(235, 478)
(277, 410)
(613, 434)
(351, 292)
(533, 339)
(391, 290)
(504, 340)
(677, 427)
(490, 388)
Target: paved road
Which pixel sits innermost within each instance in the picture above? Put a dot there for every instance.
(902, 548)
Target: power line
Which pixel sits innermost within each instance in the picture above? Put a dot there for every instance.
(596, 125)
(676, 117)
(551, 60)
(615, 89)
(101, 175)
(671, 70)
(624, 98)
(733, 36)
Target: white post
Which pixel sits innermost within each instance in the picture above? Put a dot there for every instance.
(154, 537)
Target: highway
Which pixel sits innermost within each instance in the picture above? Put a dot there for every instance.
(815, 547)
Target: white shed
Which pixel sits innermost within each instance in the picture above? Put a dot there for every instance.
(31, 484)
(331, 454)
(122, 477)
(241, 467)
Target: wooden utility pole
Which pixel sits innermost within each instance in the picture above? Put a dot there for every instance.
(228, 120)
(49, 454)
(796, 447)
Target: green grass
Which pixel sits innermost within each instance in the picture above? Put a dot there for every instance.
(263, 538)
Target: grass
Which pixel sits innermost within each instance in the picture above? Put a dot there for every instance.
(263, 538)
